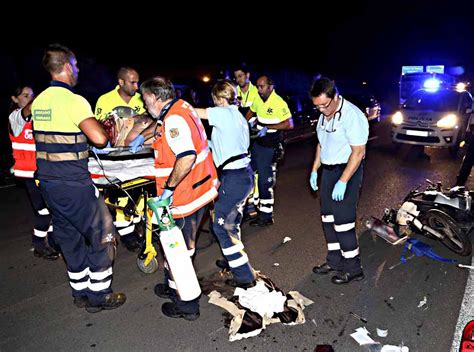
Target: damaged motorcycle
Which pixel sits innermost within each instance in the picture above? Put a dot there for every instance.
(441, 214)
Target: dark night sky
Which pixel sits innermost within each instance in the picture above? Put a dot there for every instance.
(368, 40)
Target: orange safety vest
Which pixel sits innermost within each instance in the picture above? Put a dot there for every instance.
(24, 152)
(199, 187)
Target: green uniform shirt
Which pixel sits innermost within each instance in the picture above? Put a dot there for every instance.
(249, 97)
(111, 100)
(61, 147)
(272, 111)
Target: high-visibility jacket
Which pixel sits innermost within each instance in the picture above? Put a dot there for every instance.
(24, 152)
(199, 187)
(62, 151)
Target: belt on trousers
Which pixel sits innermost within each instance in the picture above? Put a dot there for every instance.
(334, 167)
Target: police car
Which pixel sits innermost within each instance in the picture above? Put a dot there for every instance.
(433, 117)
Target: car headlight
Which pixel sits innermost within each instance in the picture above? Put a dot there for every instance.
(448, 121)
(397, 118)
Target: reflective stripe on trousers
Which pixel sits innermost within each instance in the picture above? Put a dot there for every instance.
(338, 219)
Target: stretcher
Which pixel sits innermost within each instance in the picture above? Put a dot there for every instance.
(127, 181)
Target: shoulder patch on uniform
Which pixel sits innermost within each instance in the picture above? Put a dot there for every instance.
(174, 132)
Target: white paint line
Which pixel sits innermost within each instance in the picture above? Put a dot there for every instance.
(466, 313)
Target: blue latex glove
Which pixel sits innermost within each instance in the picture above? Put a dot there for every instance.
(101, 150)
(262, 132)
(339, 190)
(167, 194)
(313, 180)
(137, 143)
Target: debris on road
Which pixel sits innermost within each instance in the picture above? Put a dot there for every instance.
(252, 309)
(362, 336)
(382, 332)
(357, 316)
(422, 302)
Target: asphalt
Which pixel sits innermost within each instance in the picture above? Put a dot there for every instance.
(37, 313)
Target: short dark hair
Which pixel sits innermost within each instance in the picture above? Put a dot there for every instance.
(160, 87)
(55, 57)
(323, 85)
(241, 67)
(122, 72)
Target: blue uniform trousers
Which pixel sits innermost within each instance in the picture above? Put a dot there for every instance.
(43, 229)
(262, 160)
(85, 232)
(339, 219)
(235, 187)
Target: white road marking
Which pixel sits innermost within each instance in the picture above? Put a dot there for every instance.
(466, 313)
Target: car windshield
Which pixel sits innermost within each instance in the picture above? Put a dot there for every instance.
(445, 100)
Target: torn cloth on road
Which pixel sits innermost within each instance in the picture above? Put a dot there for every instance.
(246, 322)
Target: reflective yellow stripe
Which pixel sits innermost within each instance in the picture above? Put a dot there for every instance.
(62, 156)
(60, 138)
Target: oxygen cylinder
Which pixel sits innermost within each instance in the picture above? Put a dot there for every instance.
(176, 251)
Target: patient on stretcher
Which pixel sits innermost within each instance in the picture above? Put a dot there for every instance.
(122, 125)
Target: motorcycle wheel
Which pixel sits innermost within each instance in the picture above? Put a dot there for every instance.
(454, 237)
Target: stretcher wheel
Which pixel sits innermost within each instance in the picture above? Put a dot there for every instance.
(150, 268)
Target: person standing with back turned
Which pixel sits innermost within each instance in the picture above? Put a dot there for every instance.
(83, 226)
(342, 132)
(230, 143)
